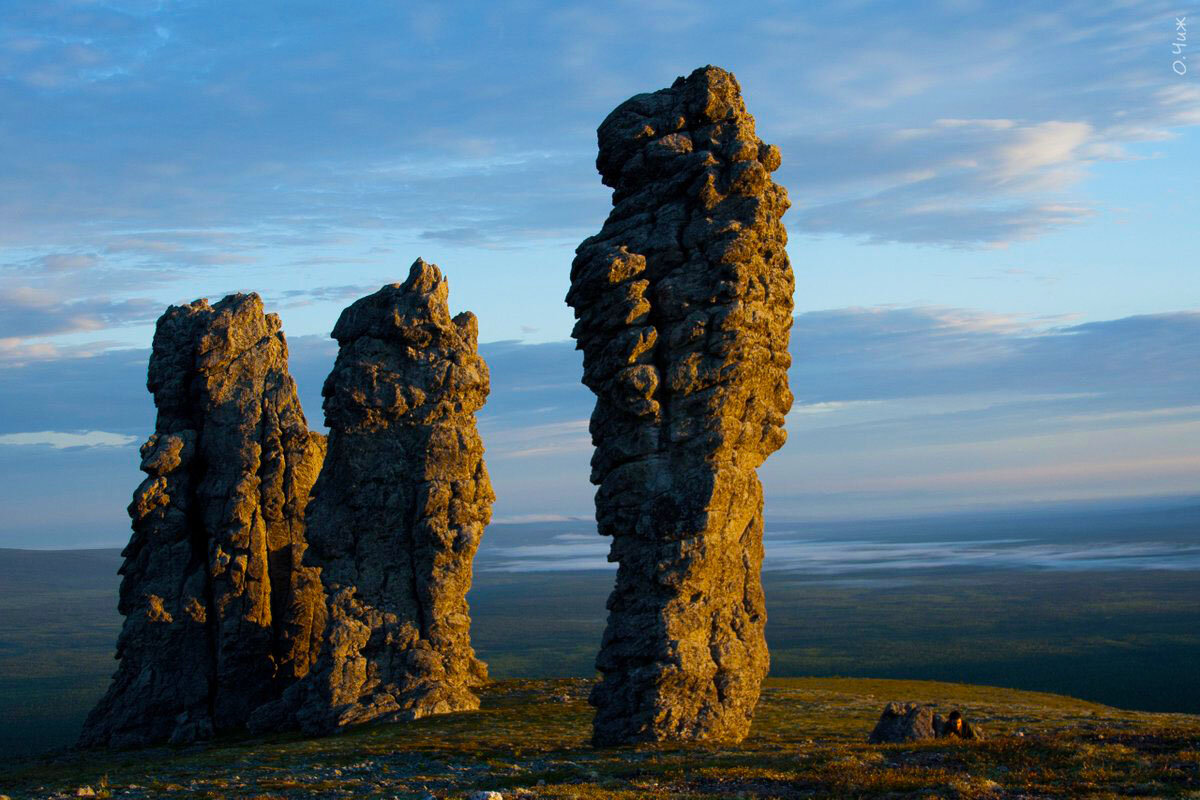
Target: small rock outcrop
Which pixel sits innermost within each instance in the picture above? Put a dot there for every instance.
(398, 511)
(220, 614)
(912, 722)
(903, 722)
(684, 308)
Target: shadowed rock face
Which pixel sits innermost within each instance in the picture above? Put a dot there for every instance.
(220, 616)
(398, 510)
(684, 307)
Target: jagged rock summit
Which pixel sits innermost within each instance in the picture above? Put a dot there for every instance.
(220, 615)
(684, 308)
(398, 511)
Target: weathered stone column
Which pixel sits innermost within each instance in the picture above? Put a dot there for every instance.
(684, 307)
(399, 509)
(220, 616)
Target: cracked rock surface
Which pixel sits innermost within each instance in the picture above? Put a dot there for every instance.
(398, 511)
(220, 614)
(684, 308)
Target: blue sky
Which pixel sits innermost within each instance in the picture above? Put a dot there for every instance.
(993, 227)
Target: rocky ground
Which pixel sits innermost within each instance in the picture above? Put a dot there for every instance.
(809, 740)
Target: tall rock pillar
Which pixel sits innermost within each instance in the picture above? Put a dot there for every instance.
(399, 509)
(220, 615)
(684, 308)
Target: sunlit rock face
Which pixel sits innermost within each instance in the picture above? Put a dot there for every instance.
(398, 511)
(684, 308)
(220, 614)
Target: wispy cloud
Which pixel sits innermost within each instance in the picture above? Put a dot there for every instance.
(67, 262)
(805, 553)
(878, 353)
(528, 441)
(968, 182)
(32, 311)
(296, 298)
(63, 439)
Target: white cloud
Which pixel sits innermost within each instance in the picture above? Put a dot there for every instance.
(67, 262)
(519, 519)
(547, 439)
(824, 408)
(974, 182)
(1046, 144)
(63, 439)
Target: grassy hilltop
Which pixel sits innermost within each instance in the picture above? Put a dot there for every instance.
(808, 740)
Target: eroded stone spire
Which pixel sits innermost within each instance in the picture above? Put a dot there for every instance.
(220, 616)
(399, 509)
(684, 308)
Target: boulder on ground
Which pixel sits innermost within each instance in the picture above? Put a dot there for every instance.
(913, 722)
(903, 722)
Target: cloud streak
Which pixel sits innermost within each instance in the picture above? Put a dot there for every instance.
(30, 312)
(788, 552)
(888, 353)
(61, 440)
(959, 182)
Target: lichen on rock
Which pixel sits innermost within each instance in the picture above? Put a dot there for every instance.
(684, 308)
(398, 511)
(220, 615)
